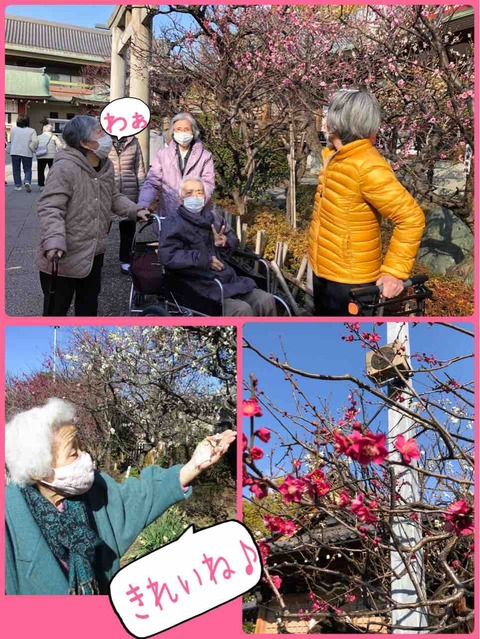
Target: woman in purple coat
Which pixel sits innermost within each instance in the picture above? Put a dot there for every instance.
(184, 156)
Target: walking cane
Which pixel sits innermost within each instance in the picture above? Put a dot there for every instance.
(53, 285)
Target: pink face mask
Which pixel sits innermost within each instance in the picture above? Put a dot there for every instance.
(75, 478)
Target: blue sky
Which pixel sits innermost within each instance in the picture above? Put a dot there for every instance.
(318, 348)
(80, 15)
(26, 347)
(87, 15)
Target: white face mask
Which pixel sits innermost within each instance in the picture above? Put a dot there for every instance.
(75, 478)
(183, 139)
(194, 204)
(105, 144)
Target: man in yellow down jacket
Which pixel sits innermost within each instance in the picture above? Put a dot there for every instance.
(356, 188)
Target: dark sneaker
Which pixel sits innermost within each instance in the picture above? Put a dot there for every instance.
(28, 188)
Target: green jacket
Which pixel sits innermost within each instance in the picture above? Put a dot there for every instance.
(119, 512)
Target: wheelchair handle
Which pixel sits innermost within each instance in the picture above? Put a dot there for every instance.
(363, 291)
(249, 254)
(151, 218)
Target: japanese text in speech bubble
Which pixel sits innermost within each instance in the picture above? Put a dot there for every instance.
(124, 117)
(199, 571)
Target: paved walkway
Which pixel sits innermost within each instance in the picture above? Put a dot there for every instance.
(23, 293)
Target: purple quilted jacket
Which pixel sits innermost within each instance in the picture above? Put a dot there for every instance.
(164, 177)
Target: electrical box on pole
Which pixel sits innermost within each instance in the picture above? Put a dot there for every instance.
(385, 363)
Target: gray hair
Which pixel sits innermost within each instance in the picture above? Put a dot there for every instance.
(80, 129)
(353, 115)
(29, 437)
(190, 118)
(191, 178)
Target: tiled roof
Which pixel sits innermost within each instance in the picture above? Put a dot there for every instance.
(39, 34)
(26, 82)
(329, 535)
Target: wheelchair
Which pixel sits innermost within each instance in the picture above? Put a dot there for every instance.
(159, 292)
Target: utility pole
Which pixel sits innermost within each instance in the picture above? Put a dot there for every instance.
(408, 574)
(55, 328)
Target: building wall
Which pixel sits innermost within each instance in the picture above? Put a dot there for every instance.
(65, 80)
(52, 67)
(37, 111)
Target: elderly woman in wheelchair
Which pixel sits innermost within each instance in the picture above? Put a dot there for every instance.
(193, 247)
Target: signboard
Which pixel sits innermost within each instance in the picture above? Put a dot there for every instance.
(11, 106)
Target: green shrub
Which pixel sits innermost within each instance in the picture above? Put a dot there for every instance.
(134, 472)
(277, 229)
(249, 627)
(271, 164)
(305, 200)
(164, 530)
(452, 296)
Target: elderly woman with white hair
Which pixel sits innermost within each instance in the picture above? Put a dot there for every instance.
(185, 156)
(75, 212)
(67, 524)
(356, 189)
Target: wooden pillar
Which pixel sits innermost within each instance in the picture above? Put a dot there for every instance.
(118, 67)
(140, 52)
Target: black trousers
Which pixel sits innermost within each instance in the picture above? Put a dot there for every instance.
(127, 233)
(86, 291)
(331, 298)
(41, 166)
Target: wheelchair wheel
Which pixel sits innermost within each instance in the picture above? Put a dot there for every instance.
(283, 309)
(155, 310)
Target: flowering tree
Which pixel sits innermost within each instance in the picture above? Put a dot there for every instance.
(139, 391)
(259, 77)
(423, 76)
(195, 67)
(323, 491)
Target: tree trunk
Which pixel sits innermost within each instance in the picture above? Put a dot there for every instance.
(292, 185)
(240, 202)
(468, 201)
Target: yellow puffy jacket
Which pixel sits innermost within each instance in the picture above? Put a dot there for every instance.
(356, 187)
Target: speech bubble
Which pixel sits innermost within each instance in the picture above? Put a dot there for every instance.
(199, 571)
(124, 117)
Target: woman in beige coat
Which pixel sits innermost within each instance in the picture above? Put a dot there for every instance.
(127, 159)
(75, 210)
(49, 141)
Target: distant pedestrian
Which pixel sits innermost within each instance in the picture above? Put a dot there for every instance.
(7, 150)
(48, 145)
(157, 142)
(127, 159)
(23, 144)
